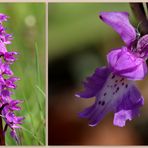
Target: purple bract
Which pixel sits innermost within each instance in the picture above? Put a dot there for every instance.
(7, 104)
(113, 85)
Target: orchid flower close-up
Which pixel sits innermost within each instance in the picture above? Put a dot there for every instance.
(113, 85)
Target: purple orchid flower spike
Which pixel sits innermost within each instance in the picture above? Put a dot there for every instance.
(7, 82)
(113, 85)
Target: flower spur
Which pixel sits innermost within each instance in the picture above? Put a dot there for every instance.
(113, 85)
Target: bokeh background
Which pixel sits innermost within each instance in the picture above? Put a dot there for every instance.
(27, 24)
(78, 44)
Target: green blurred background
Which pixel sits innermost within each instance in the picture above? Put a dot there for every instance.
(27, 24)
(78, 43)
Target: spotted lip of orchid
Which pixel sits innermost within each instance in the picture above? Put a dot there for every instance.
(113, 85)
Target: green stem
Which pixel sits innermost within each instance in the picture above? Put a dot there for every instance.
(140, 14)
(2, 137)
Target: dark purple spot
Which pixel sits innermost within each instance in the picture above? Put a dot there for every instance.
(115, 85)
(105, 94)
(122, 79)
(126, 85)
(117, 89)
(99, 102)
(113, 93)
(122, 83)
(103, 102)
(116, 81)
(101, 17)
(113, 76)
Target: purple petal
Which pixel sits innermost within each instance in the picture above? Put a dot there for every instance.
(87, 111)
(119, 21)
(94, 114)
(10, 82)
(18, 120)
(142, 46)
(9, 56)
(129, 107)
(13, 79)
(15, 126)
(2, 48)
(2, 81)
(7, 38)
(131, 100)
(5, 93)
(13, 104)
(4, 36)
(13, 134)
(106, 101)
(126, 64)
(6, 69)
(3, 17)
(123, 115)
(98, 114)
(94, 83)
(10, 117)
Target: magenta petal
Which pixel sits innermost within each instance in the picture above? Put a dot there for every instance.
(3, 17)
(119, 21)
(13, 104)
(3, 49)
(9, 56)
(5, 93)
(14, 135)
(94, 83)
(126, 64)
(10, 82)
(18, 120)
(10, 117)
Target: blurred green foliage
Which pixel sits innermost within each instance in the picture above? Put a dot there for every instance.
(27, 24)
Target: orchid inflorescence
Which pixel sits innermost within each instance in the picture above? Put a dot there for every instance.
(7, 79)
(113, 85)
